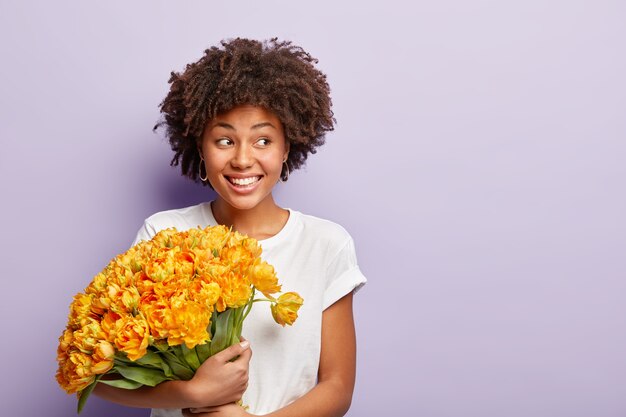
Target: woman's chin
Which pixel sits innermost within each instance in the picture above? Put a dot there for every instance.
(243, 202)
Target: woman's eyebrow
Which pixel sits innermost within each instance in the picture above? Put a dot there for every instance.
(262, 124)
(224, 125)
(254, 126)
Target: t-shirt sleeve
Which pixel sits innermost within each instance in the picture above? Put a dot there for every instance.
(343, 275)
(146, 232)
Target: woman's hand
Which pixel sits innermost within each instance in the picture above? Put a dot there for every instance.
(216, 382)
(226, 410)
(219, 381)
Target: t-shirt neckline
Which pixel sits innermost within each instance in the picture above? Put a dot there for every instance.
(270, 241)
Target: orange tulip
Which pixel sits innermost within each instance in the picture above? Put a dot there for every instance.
(285, 310)
(264, 278)
(133, 337)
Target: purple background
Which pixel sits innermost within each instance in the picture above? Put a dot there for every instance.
(479, 163)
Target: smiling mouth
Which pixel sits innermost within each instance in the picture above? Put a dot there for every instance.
(244, 182)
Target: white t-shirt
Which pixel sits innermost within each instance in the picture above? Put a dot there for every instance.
(313, 257)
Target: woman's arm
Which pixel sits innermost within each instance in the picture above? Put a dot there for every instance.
(332, 395)
(217, 381)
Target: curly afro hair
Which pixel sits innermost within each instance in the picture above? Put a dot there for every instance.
(273, 74)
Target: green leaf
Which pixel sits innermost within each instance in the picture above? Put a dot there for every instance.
(203, 351)
(151, 359)
(220, 338)
(190, 357)
(229, 328)
(178, 366)
(121, 358)
(178, 352)
(122, 383)
(161, 345)
(167, 370)
(84, 394)
(146, 376)
(235, 325)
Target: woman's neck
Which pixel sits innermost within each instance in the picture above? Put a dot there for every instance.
(260, 222)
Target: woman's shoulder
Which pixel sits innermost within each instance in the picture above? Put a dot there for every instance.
(194, 216)
(324, 229)
(182, 219)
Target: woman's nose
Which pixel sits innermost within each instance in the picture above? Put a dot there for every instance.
(243, 157)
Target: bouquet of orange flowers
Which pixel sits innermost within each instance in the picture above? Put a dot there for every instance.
(159, 310)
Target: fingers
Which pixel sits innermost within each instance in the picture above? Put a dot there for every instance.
(247, 353)
(234, 351)
(245, 356)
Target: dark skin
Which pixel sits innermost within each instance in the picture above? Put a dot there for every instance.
(217, 381)
(279, 88)
(332, 396)
(233, 144)
(275, 75)
(238, 147)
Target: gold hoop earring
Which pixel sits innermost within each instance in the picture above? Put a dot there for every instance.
(200, 170)
(284, 177)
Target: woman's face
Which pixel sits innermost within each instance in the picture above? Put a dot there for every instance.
(243, 151)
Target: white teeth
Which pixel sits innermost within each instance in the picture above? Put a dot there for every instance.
(244, 181)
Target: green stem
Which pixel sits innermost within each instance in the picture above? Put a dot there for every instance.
(248, 307)
(84, 394)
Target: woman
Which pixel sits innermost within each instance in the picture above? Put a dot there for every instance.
(239, 120)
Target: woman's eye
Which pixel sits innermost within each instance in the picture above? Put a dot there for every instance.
(263, 141)
(224, 142)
